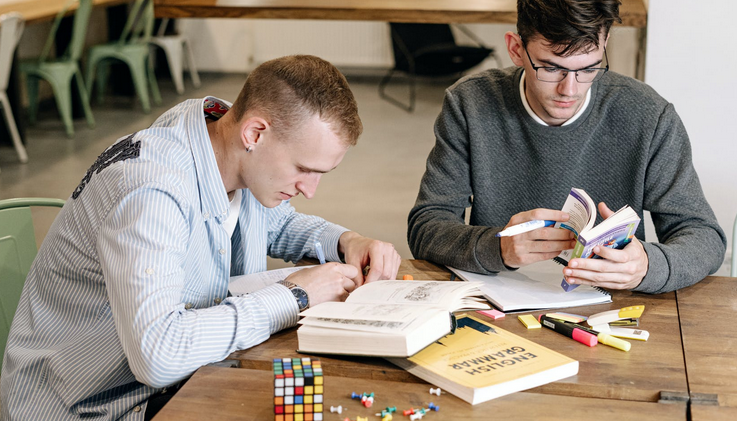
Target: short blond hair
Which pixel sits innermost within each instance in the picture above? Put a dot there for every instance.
(291, 89)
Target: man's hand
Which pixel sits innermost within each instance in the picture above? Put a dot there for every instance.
(536, 245)
(328, 282)
(617, 269)
(360, 251)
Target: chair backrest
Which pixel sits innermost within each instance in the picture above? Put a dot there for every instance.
(79, 31)
(11, 29)
(140, 23)
(408, 38)
(17, 251)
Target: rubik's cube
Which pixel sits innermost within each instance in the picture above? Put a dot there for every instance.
(298, 389)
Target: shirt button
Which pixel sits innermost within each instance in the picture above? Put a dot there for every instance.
(206, 215)
(222, 251)
(188, 306)
(218, 301)
(137, 409)
(149, 271)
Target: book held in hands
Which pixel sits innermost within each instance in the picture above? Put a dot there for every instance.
(387, 318)
(480, 362)
(614, 232)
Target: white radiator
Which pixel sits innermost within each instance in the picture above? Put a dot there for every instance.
(347, 44)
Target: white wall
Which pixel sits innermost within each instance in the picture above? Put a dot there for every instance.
(692, 62)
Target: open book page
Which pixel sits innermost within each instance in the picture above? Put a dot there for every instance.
(536, 286)
(451, 296)
(245, 284)
(386, 318)
(582, 211)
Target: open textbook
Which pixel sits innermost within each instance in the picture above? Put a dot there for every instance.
(615, 232)
(387, 318)
(532, 287)
(481, 361)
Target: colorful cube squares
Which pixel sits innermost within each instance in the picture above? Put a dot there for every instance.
(298, 388)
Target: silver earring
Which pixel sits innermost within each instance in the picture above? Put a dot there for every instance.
(248, 149)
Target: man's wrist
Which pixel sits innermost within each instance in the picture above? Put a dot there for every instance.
(299, 293)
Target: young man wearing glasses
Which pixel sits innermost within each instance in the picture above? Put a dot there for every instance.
(511, 143)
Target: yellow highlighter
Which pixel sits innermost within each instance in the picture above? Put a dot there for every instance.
(606, 317)
(605, 338)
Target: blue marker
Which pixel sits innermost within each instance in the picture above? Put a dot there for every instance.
(320, 253)
(525, 227)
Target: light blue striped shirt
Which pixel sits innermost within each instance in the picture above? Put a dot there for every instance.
(128, 293)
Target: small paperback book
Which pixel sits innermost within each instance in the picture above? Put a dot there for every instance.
(614, 232)
(387, 318)
(480, 362)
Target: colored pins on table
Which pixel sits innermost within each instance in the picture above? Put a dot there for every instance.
(435, 391)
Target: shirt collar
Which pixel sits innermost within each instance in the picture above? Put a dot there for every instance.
(214, 200)
(535, 116)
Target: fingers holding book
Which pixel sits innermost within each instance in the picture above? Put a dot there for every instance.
(615, 269)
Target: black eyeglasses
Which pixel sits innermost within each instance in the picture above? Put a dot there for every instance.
(557, 74)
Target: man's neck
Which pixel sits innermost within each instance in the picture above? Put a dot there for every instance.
(218, 131)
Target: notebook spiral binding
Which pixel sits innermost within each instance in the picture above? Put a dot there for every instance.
(560, 261)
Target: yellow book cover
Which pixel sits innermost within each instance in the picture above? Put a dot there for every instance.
(480, 362)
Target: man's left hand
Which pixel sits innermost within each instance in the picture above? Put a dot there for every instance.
(360, 251)
(617, 269)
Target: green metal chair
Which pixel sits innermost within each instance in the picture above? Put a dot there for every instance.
(17, 251)
(132, 49)
(61, 72)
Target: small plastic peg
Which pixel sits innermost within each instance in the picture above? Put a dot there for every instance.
(408, 411)
(361, 418)
(408, 278)
(387, 417)
(433, 407)
(416, 416)
(339, 409)
(367, 402)
(391, 409)
(355, 395)
(435, 391)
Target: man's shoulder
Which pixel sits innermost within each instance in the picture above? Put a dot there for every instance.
(486, 91)
(489, 79)
(630, 92)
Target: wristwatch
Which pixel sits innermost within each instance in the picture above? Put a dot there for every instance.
(303, 301)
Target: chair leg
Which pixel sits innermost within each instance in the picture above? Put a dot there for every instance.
(32, 90)
(152, 82)
(84, 97)
(63, 95)
(8, 113)
(382, 92)
(192, 66)
(103, 73)
(90, 72)
(174, 58)
(138, 74)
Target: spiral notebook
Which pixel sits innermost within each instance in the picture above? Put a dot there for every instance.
(533, 287)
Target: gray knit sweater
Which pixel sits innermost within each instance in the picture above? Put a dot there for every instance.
(628, 148)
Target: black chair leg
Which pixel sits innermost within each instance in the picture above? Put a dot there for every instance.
(382, 92)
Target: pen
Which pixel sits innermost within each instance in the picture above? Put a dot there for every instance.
(605, 339)
(525, 227)
(320, 253)
(569, 330)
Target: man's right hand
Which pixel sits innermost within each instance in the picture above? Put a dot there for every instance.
(328, 282)
(536, 245)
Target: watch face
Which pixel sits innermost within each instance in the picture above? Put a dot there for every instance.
(301, 296)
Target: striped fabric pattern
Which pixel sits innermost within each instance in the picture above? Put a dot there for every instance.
(129, 292)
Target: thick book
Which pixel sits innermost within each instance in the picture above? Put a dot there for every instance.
(387, 318)
(532, 287)
(614, 232)
(480, 362)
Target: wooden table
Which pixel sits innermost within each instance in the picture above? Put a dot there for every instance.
(34, 11)
(682, 355)
(633, 12)
(710, 354)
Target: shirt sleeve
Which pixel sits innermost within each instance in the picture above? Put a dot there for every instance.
(436, 230)
(292, 235)
(691, 243)
(142, 247)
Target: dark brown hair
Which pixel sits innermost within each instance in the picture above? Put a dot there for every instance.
(291, 89)
(569, 25)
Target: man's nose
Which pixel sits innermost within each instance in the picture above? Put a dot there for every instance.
(568, 87)
(308, 185)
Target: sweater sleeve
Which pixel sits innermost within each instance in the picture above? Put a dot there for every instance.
(436, 230)
(691, 243)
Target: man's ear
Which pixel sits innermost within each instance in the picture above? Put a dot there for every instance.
(515, 48)
(252, 131)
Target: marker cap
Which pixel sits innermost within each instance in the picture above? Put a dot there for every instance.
(585, 337)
